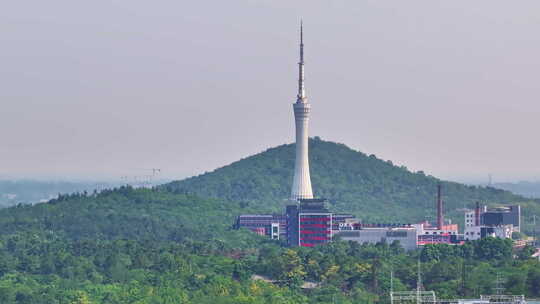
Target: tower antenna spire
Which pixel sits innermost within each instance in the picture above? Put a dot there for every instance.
(301, 32)
(301, 88)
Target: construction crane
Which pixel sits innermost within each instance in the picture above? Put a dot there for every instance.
(141, 181)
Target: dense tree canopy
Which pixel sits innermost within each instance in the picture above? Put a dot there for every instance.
(43, 268)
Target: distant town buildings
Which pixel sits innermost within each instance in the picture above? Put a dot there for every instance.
(309, 223)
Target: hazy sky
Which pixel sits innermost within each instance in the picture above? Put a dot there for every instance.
(95, 89)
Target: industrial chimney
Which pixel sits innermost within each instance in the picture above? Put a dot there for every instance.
(477, 214)
(440, 215)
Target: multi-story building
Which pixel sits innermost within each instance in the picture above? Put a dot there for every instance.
(501, 216)
(470, 218)
(309, 223)
(495, 222)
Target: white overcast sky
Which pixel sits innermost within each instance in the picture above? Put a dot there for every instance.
(101, 89)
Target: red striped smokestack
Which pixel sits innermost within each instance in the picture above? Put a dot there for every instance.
(440, 215)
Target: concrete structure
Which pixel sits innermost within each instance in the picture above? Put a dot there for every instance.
(500, 216)
(494, 222)
(426, 228)
(275, 231)
(427, 234)
(472, 233)
(470, 218)
(309, 223)
(479, 232)
(273, 225)
(339, 221)
(406, 236)
(301, 188)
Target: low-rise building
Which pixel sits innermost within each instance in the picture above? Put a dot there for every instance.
(272, 225)
(479, 232)
(406, 236)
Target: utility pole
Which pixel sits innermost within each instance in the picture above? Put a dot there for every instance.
(392, 286)
(534, 231)
(418, 284)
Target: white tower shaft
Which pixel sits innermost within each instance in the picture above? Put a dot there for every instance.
(301, 188)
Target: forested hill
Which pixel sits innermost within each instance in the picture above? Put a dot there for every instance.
(373, 189)
(127, 213)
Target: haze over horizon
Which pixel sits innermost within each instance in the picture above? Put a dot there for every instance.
(96, 90)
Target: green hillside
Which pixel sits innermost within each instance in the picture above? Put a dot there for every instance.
(174, 243)
(373, 189)
(127, 213)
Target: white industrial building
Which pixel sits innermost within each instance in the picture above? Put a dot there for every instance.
(478, 232)
(406, 236)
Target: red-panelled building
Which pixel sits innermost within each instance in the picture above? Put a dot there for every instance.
(314, 223)
(315, 228)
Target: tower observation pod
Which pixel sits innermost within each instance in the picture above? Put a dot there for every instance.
(301, 188)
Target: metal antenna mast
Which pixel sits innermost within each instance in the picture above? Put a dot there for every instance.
(499, 288)
(419, 284)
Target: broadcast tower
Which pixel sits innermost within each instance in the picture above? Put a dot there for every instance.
(301, 188)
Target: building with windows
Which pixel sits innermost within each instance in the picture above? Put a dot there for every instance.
(492, 222)
(406, 236)
(501, 216)
(309, 223)
(272, 225)
(428, 234)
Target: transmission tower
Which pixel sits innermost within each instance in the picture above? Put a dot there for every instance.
(499, 284)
